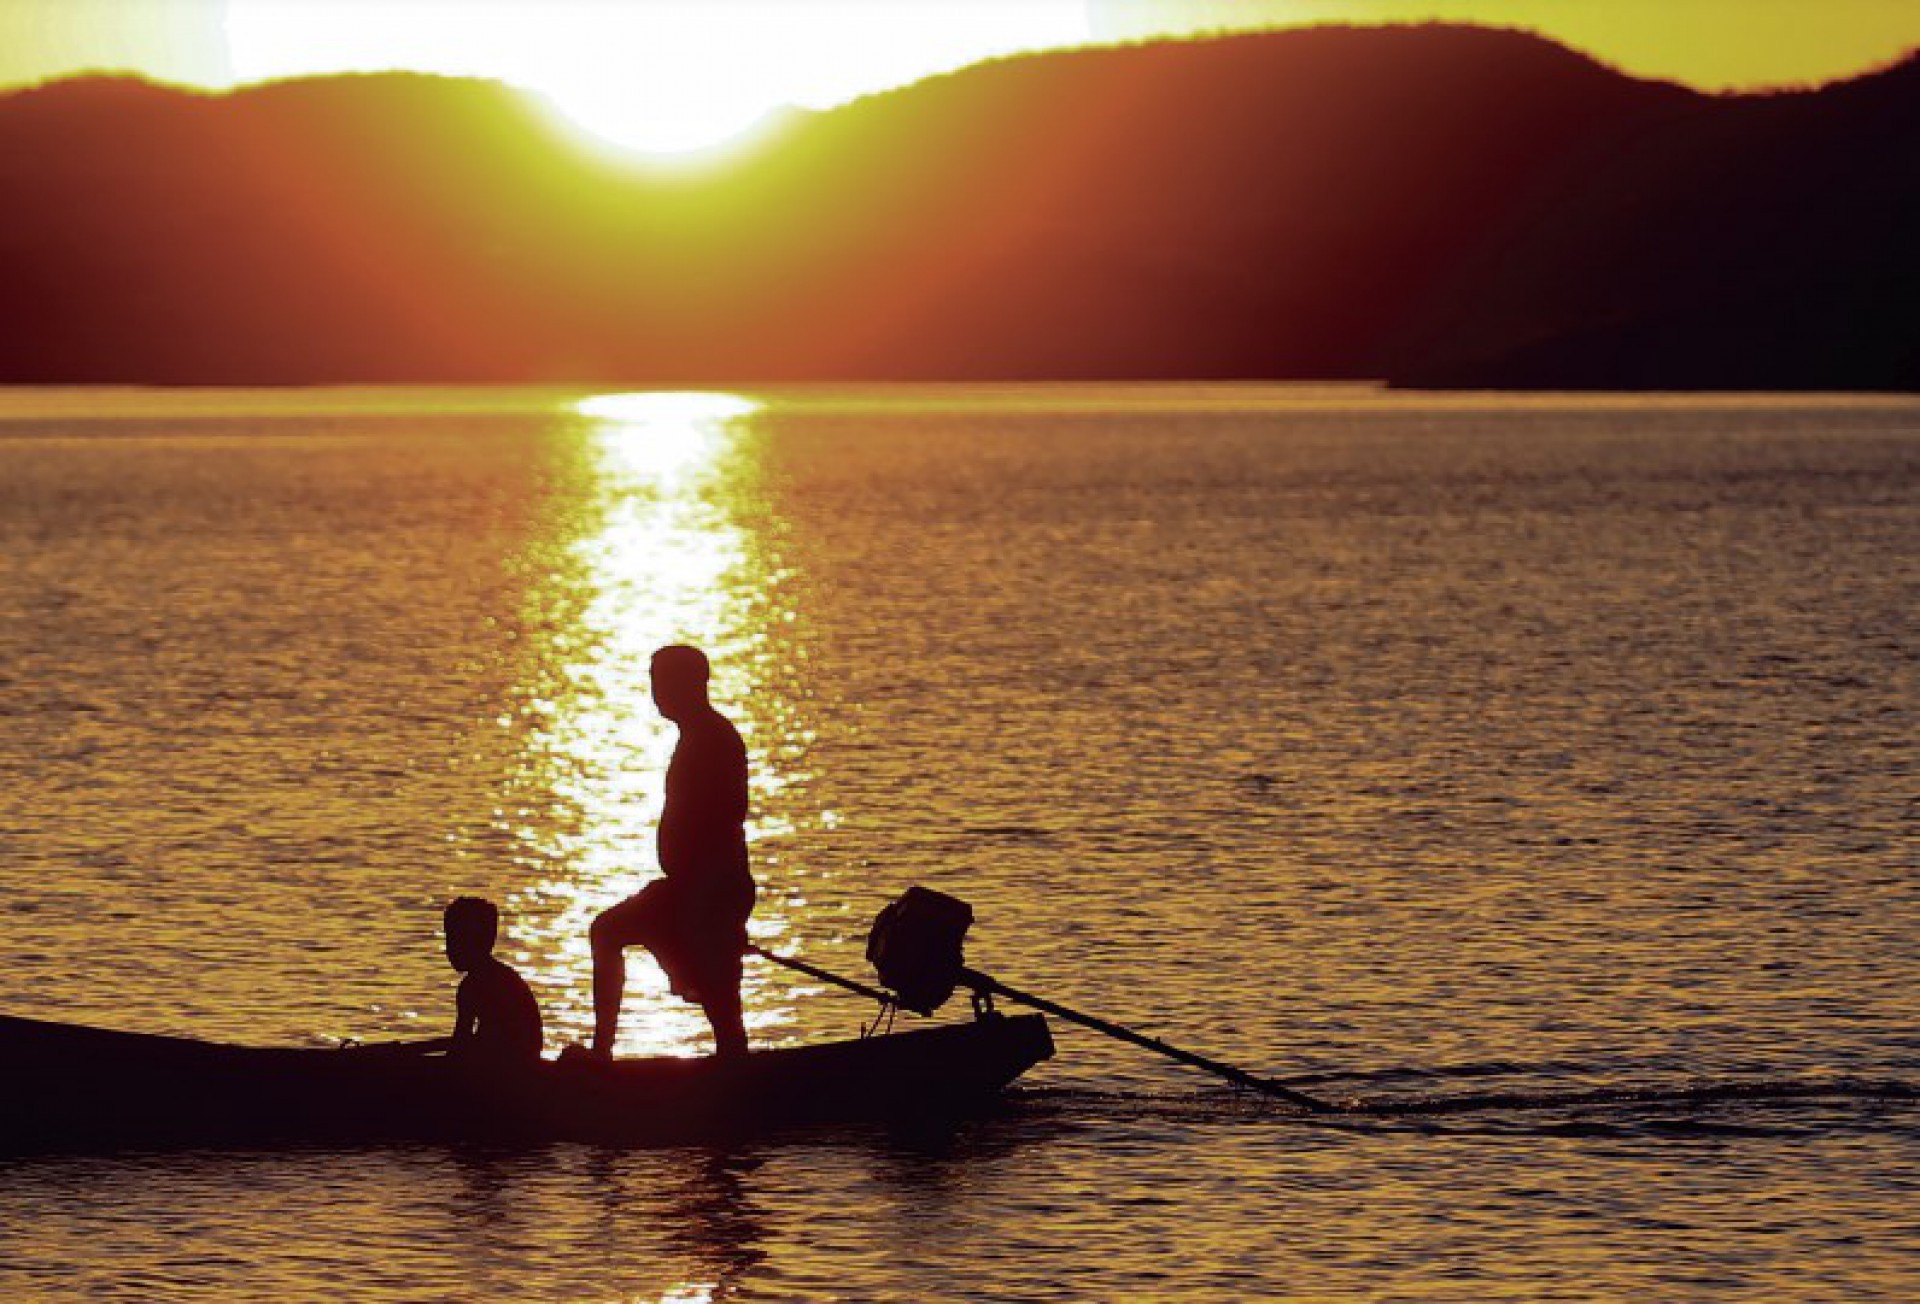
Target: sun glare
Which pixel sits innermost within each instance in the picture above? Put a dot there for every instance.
(661, 76)
(660, 560)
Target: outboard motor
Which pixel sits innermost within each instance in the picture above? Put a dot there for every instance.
(915, 947)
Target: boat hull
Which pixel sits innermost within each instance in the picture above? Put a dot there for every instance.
(65, 1087)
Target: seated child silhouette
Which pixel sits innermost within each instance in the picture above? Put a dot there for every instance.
(497, 1020)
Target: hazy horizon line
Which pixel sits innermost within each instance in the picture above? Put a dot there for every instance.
(234, 86)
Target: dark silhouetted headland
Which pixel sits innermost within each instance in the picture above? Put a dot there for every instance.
(1434, 206)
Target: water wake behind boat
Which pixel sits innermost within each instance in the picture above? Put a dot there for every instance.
(1697, 1093)
(1728, 1106)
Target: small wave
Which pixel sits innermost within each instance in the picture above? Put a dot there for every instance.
(1705, 1093)
(1007, 832)
(1402, 1072)
(1615, 1104)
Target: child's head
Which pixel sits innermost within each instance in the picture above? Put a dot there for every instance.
(472, 923)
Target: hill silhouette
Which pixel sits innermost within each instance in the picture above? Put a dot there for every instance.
(1435, 206)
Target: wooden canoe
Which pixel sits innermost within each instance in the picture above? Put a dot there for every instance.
(69, 1087)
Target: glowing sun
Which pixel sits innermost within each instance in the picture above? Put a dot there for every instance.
(662, 76)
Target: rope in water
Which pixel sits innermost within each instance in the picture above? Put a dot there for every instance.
(985, 985)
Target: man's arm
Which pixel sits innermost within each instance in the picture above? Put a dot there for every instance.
(707, 795)
(722, 767)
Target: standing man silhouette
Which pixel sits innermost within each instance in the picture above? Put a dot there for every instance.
(694, 919)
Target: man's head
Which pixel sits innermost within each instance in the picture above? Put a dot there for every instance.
(679, 680)
(472, 924)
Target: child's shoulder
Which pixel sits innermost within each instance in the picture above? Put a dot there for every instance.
(495, 974)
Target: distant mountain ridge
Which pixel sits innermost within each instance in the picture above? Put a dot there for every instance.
(1433, 206)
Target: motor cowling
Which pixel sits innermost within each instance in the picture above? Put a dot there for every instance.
(915, 947)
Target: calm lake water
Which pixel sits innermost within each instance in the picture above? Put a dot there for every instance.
(1540, 771)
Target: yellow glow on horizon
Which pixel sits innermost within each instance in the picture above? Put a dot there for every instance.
(679, 75)
(662, 76)
(1713, 45)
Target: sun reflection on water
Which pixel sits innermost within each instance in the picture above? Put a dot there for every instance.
(665, 561)
(698, 1294)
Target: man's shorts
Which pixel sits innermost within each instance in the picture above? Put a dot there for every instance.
(697, 933)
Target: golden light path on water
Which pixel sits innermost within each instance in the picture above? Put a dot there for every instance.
(665, 562)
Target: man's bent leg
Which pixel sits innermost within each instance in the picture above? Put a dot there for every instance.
(612, 931)
(609, 984)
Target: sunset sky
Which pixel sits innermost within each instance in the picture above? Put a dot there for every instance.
(674, 74)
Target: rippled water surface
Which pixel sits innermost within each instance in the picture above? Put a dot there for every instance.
(1540, 772)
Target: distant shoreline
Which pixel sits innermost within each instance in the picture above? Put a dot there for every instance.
(1444, 208)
